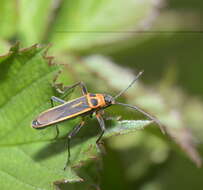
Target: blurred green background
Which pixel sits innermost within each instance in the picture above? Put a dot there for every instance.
(104, 43)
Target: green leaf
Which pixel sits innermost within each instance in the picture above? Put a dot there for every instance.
(31, 159)
(127, 126)
(24, 73)
(34, 18)
(8, 21)
(82, 25)
(78, 25)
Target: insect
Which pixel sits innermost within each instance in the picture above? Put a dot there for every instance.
(85, 105)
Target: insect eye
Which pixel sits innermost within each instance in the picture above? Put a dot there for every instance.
(94, 101)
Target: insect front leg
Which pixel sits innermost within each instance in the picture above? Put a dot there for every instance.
(102, 126)
(56, 99)
(70, 135)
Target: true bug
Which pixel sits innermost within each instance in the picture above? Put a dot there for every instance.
(85, 105)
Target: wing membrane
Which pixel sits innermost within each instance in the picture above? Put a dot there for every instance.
(64, 111)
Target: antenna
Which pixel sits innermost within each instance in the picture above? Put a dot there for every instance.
(124, 90)
(162, 127)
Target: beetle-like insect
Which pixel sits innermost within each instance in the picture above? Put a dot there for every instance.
(87, 104)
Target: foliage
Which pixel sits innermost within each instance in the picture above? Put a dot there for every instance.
(102, 43)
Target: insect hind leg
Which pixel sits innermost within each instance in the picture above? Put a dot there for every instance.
(56, 99)
(70, 135)
(82, 86)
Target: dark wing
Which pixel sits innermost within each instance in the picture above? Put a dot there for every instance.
(65, 111)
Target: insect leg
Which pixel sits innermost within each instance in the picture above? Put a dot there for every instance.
(82, 86)
(102, 125)
(55, 99)
(70, 135)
